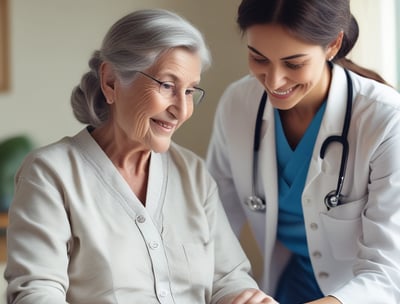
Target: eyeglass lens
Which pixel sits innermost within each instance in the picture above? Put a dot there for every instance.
(168, 89)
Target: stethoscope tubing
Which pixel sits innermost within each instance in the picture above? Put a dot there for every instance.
(254, 202)
(333, 198)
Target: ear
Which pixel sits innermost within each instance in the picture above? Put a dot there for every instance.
(334, 46)
(107, 80)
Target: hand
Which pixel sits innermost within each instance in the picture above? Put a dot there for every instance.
(253, 296)
(326, 300)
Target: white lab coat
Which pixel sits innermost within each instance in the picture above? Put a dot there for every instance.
(354, 248)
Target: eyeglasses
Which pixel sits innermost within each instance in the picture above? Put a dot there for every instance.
(168, 89)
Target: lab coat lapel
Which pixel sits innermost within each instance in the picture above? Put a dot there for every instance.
(268, 178)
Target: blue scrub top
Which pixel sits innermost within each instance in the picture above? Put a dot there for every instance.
(297, 284)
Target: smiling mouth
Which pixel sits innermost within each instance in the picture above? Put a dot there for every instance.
(163, 124)
(282, 93)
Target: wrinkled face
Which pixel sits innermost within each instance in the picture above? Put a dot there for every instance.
(147, 117)
(291, 70)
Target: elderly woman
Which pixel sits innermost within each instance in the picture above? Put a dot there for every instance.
(118, 213)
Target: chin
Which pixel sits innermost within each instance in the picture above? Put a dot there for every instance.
(161, 148)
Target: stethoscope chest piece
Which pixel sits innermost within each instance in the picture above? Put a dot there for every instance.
(255, 203)
(332, 199)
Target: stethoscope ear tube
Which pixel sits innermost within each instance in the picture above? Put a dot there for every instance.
(333, 198)
(254, 202)
(257, 130)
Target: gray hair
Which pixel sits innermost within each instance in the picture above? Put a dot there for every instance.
(132, 44)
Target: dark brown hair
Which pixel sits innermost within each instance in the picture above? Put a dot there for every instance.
(314, 21)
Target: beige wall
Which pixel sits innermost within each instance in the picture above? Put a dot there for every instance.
(376, 46)
(51, 41)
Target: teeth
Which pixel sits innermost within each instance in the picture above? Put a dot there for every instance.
(282, 92)
(164, 125)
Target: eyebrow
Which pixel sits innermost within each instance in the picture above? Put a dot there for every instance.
(284, 58)
(176, 79)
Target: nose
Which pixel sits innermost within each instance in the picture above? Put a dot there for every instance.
(180, 107)
(274, 78)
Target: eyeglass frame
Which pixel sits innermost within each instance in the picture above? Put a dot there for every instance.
(171, 82)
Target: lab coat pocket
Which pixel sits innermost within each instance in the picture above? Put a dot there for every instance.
(342, 226)
(200, 261)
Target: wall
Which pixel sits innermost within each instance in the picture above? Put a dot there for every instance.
(376, 46)
(51, 41)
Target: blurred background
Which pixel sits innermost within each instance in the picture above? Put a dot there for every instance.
(47, 44)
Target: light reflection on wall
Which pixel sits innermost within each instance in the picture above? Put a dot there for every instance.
(376, 47)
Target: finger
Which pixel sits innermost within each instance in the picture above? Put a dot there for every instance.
(253, 296)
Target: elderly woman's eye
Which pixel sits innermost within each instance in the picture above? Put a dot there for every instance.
(167, 86)
(189, 91)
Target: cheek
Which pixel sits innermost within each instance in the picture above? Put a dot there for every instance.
(140, 118)
(311, 75)
(254, 67)
(304, 76)
(132, 113)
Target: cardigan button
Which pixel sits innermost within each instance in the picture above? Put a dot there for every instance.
(314, 226)
(317, 254)
(140, 219)
(163, 293)
(323, 275)
(153, 245)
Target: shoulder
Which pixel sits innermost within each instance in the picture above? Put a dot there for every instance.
(243, 89)
(185, 157)
(370, 98)
(190, 168)
(376, 104)
(376, 111)
(50, 158)
(245, 84)
(240, 101)
(373, 91)
(51, 153)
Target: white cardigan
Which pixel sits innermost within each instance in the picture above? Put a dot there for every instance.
(78, 234)
(354, 248)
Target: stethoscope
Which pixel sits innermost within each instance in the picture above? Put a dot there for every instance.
(333, 198)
